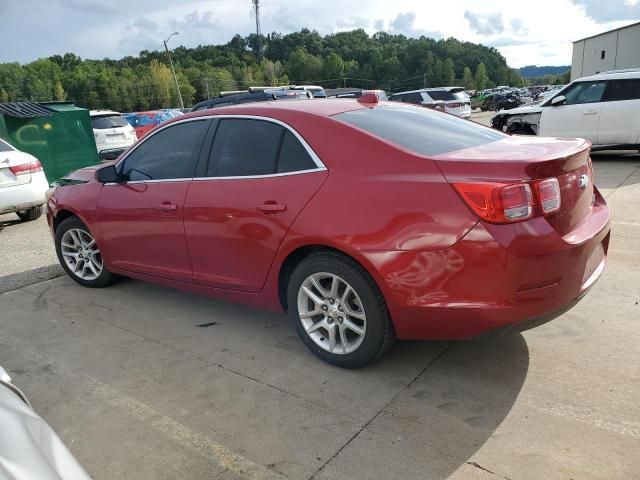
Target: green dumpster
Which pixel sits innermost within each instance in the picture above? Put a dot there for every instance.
(59, 134)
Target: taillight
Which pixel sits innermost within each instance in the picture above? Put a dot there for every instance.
(31, 167)
(549, 195)
(498, 203)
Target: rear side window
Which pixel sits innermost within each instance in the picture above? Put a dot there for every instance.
(5, 147)
(445, 95)
(293, 156)
(626, 90)
(113, 121)
(169, 154)
(420, 130)
(244, 147)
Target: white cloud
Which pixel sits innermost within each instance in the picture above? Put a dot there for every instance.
(524, 34)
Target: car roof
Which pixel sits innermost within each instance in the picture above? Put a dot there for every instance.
(97, 113)
(431, 89)
(319, 106)
(613, 75)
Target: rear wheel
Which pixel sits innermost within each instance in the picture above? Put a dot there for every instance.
(79, 254)
(31, 214)
(338, 311)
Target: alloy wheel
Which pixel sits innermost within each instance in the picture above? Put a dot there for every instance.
(81, 254)
(331, 313)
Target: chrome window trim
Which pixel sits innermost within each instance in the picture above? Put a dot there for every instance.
(320, 166)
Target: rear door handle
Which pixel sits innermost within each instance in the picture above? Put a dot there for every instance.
(271, 207)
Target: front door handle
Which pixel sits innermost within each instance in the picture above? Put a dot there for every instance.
(271, 207)
(591, 111)
(167, 207)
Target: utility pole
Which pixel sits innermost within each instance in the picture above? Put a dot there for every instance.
(425, 79)
(207, 82)
(256, 11)
(173, 69)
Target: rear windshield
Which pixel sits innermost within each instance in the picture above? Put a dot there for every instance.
(444, 95)
(112, 121)
(421, 130)
(5, 147)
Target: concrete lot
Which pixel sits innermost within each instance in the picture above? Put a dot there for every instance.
(139, 389)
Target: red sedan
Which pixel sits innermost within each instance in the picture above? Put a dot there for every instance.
(366, 221)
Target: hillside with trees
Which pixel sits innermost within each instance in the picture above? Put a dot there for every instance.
(354, 59)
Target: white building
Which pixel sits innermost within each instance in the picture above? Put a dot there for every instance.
(614, 50)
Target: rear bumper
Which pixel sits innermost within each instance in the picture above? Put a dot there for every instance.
(25, 196)
(497, 276)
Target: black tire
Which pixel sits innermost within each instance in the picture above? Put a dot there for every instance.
(31, 214)
(379, 335)
(104, 279)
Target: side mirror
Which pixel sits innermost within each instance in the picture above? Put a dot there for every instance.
(108, 174)
(559, 100)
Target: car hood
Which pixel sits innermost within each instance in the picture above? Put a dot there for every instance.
(29, 448)
(522, 110)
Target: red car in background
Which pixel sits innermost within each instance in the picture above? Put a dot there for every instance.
(143, 122)
(367, 221)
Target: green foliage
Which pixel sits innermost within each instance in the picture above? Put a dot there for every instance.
(383, 60)
(481, 79)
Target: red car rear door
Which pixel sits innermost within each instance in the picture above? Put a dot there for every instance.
(142, 218)
(258, 176)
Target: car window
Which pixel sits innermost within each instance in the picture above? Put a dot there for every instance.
(585, 92)
(420, 130)
(626, 90)
(244, 147)
(5, 147)
(293, 156)
(112, 121)
(414, 98)
(168, 154)
(445, 95)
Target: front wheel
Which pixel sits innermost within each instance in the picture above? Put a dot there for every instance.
(338, 311)
(79, 254)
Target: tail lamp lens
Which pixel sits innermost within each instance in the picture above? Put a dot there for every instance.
(498, 203)
(24, 168)
(549, 194)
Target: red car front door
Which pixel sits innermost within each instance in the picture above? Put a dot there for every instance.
(142, 218)
(259, 176)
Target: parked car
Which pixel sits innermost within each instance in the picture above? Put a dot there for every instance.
(113, 133)
(143, 122)
(29, 448)
(317, 91)
(451, 100)
(250, 97)
(602, 108)
(23, 183)
(410, 223)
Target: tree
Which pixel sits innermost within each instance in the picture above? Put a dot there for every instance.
(481, 77)
(4, 96)
(467, 79)
(58, 92)
(448, 73)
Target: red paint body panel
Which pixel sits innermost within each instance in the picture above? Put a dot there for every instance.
(443, 273)
(232, 242)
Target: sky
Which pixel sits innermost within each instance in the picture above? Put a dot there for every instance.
(526, 32)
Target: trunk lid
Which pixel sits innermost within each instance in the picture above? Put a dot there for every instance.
(525, 159)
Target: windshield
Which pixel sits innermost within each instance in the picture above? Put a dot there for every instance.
(419, 129)
(111, 121)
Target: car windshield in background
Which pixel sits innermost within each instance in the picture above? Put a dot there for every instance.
(113, 121)
(5, 147)
(420, 130)
(444, 95)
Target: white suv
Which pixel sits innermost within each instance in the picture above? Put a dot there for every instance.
(113, 133)
(22, 183)
(603, 108)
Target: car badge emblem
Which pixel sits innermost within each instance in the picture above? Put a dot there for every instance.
(583, 181)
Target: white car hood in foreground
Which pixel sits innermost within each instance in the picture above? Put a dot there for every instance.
(522, 110)
(29, 448)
